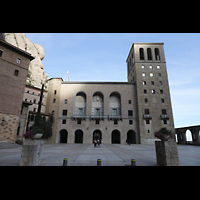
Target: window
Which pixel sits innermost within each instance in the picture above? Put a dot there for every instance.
(152, 82)
(130, 113)
(130, 122)
(164, 111)
(97, 121)
(149, 55)
(143, 67)
(129, 101)
(150, 67)
(161, 91)
(79, 121)
(157, 54)
(162, 101)
(153, 91)
(1, 53)
(115, 121)
(54, 100)
(146, 111)
(141, 53)
(160, 83)
(64, 121)
(145, 100)
(151, 74)
(18, 61)
(80, 111)
(34, 101)
(114, 112)
(55, 91)
(144, 83)
(64, 112)
(147, 121)
(65, 101)
(159, 74)
(16, 73)
(165, 121)
(158, 67)
(97, 111)
(143, 74)
(145, 91)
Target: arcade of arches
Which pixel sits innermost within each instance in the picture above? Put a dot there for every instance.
(188, 135)
(97, 134)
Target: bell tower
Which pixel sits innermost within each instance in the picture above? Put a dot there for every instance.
(146, 68)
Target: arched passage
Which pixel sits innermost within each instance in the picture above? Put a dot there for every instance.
(188, 136)
(97, 135)
(78, 136)
(63, 136)
(115, 137)
(131, 137)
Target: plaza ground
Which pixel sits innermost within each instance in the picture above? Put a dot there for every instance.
(87, 155)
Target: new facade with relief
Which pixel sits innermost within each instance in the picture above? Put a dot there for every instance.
(116, 112)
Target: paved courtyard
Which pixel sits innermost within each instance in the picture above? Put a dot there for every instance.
(87, 155)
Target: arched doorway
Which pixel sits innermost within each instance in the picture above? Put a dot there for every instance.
(115, 137)
(97, 135)
(131, 137)
(78, 136)
(63, 136)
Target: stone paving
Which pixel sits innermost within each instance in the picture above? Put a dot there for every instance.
(87, 155)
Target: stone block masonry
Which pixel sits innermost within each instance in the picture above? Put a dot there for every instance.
(31, 152)
(166, 153)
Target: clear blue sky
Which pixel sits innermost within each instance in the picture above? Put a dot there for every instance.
(102, 57)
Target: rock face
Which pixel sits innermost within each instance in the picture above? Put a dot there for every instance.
(36, 74)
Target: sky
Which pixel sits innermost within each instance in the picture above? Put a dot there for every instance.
(102, 57)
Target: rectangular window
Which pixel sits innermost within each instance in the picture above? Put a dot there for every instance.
(162, 101)
(164, 111)
(115, 121)
(79, 121)
(114, 112)
(64, 121)
(16, 73)
(64, 112)
(97, 111)
(145, 91)
(130, 122)
(145, 100)
(161, 91)
(130, 113)
(80, 111)
(18, 61)
(144, 83)
(54, 100)
(159, 74)
(143, 74)
(55, 91)
(129, 101)
(152, 82)
(1, 53)
(153, 91)
(146, 111)
(147, 121)
(65, 101)
(160, 83)
(165, 121)
(97, 121)
(151, 74)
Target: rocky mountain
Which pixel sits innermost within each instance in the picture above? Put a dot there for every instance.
(36, 75)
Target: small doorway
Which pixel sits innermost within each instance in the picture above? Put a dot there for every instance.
(63, 136)
(79, 136)
(97, 135)
(115, 137)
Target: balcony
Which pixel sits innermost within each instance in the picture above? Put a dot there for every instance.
(115, 117)
(164, 117)
(94, 117)
(147, 116)
(76, 117)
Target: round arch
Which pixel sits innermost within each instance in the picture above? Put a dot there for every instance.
(115, 104)
(131, 137)
(78, 136)
(63, 136)
(97, 134)
(116, 137)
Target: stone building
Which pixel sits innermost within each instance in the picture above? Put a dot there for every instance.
(14, 64)
(29, 109)
(116, 112)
